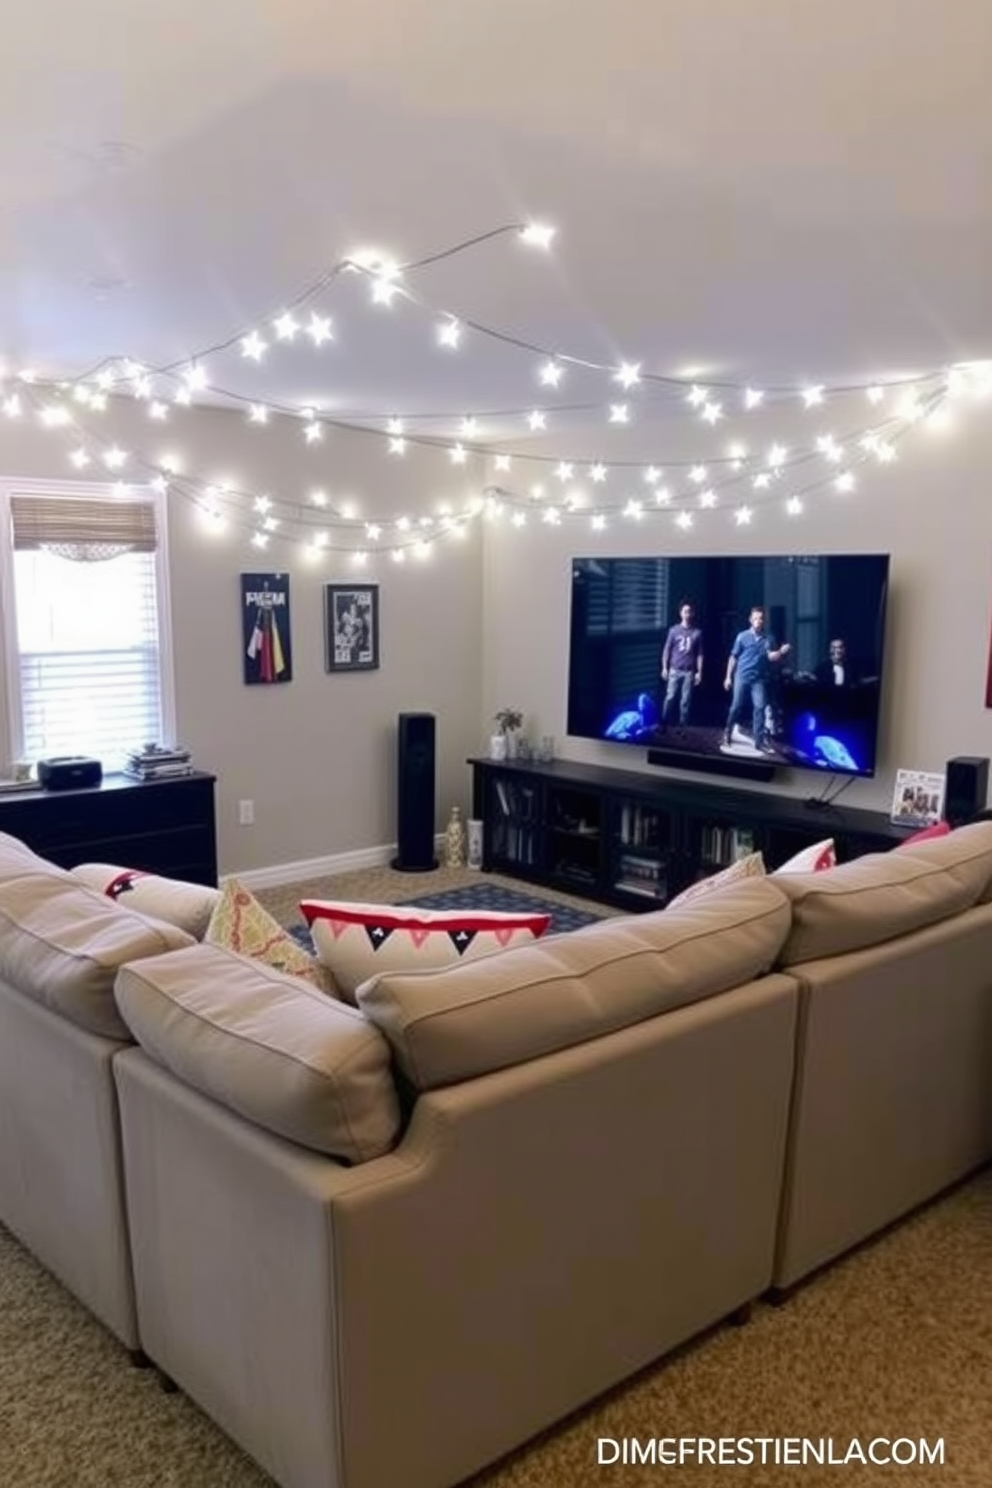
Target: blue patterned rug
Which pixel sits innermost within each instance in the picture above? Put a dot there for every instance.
(487, 896)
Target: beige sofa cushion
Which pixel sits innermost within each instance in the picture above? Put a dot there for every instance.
(518, 1004)
(61, 944)
(270, 1046)
(884, 895)
(17, 859)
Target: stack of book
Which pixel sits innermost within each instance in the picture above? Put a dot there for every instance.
(158, 762)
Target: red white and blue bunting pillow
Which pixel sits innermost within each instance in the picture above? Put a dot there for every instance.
(357, 941)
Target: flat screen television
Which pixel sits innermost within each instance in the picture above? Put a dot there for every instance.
(736, 663)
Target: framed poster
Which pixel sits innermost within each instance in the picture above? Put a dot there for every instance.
(918, 799)
(266, 646)
(351, 627)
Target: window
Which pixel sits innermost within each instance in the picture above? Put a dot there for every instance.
(85, 604)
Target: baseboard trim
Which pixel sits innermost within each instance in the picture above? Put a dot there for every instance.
(347, 862)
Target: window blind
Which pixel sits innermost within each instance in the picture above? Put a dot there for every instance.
(48, 521)
(87, 633)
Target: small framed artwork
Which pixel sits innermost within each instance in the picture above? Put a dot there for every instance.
(351, 627)
(266, 647)
(918, 799)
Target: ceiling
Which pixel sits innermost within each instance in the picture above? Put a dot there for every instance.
(785, 191)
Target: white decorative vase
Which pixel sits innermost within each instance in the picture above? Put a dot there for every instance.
(454, 840)
(513, 745)
(474, 843)
(497, 747)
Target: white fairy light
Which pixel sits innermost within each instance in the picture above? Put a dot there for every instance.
(794, 506)
(876, 394)
(536, 492)
(537, 420)
(597, 473)
(537, 236)
(398, 555)
(80, 459)
(395, 426)
(114, 458)
(697, 396)
(397, 444)
(619, 413)
(599, 522)
(260, 540)
(98, 402)
(652, 475)
(762, 482)
(373, 531)
(54, 416)
(319, 330)
(519, 519)
(551, 374)
(253, 347)
(286, 326)
(258, 414)
(183, 397)
(158, 410)
(662, 496)
(263, 503)
(318, 498)
(698, 474)
(403, 524)
(313, 432)
(845, 481)
(563, 471)
(502, 462)
(712, 412)
(449, 334)
(684, 520)
(359, 558)
(707, 498)
(458, 454)
(753, 398)
(777, 456)
(628, 375)
(385, 284)
(885, 452)
(742, 516)
(196, 377)
(812, 396)
(469, 427)
(634, 510)
(552, 516)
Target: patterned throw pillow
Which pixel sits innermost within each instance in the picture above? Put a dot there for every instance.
(241, 924)
(926, 834)
(357, 941)
(812, 859)
(752, 866)
(186, 905)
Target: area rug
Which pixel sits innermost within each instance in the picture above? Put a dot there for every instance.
(488, 896)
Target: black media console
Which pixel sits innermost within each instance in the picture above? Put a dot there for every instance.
(632, 840)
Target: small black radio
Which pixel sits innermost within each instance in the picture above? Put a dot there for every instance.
(69, 772)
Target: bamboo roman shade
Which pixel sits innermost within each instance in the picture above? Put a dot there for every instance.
(64, 522)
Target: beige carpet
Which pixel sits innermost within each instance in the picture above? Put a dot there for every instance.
(894, 1340)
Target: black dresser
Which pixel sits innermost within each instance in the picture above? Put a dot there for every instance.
(161, 826)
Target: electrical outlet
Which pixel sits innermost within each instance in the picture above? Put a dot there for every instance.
(246, 813)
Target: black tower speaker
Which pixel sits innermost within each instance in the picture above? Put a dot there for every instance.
(415, 793)
(966, 788)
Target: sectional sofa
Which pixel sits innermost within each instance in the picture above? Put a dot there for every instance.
(389, 1243)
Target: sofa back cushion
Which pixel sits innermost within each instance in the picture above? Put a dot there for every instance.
(62, 944)
(268, 1045)
(519, 1004)
(884, 895)
(17, 859)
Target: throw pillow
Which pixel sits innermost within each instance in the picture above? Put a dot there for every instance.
(812, 859)
(186, 905)
(240, 923)
(939, 829)
(752, 866)
(357, 941)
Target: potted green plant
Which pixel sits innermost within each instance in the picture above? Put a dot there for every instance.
(502, 745)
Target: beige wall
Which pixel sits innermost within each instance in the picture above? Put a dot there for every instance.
(932, 511)
(317, 755)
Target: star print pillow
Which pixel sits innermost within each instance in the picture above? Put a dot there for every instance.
(357, 941)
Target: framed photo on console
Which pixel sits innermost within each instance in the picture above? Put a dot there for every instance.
(918, 799)
(351, 627)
